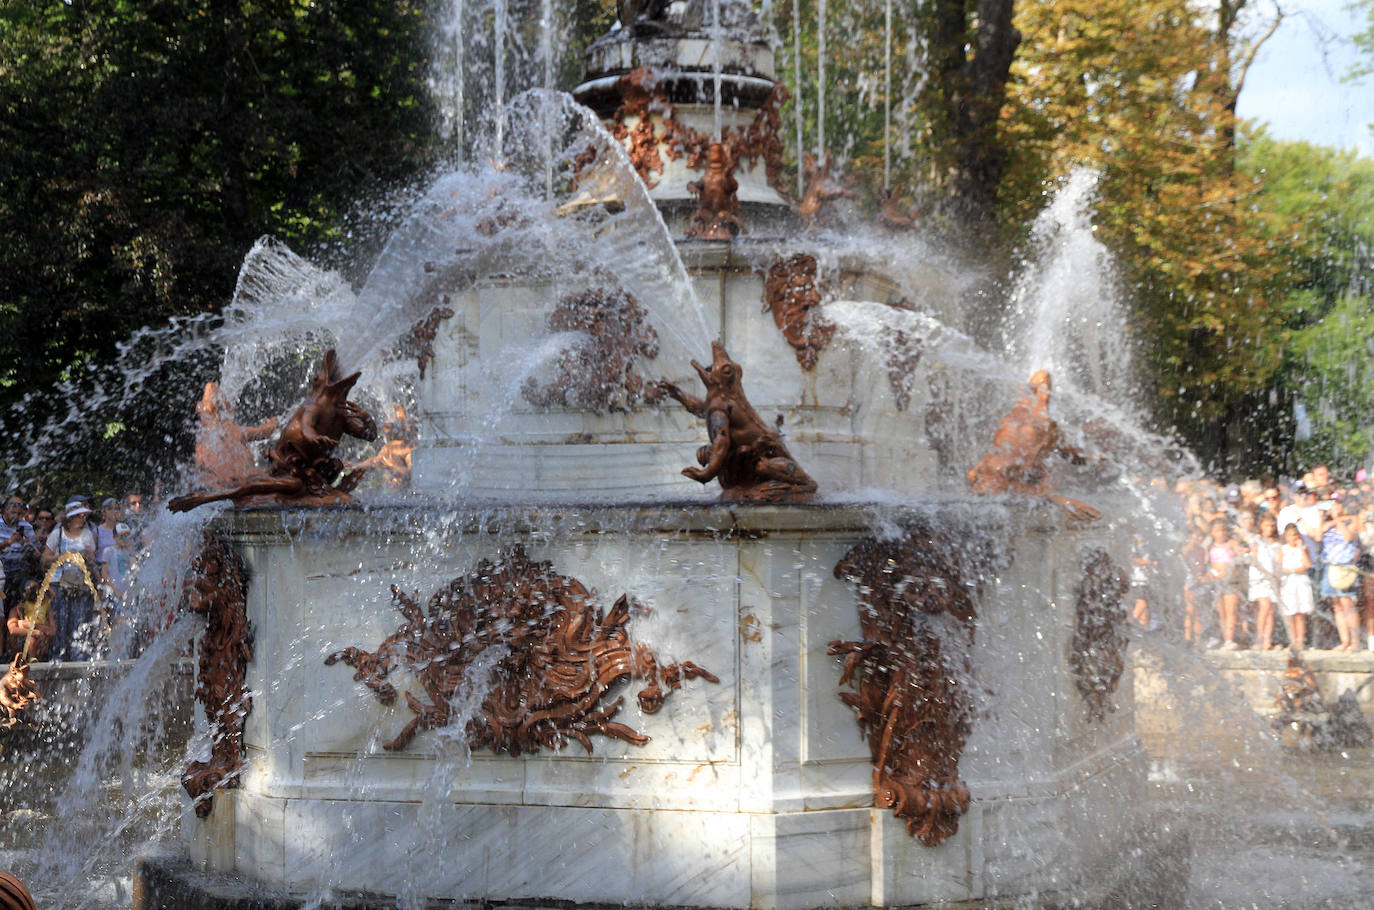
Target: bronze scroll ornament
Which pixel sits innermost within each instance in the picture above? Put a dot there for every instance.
(219, 593)
(557, 657)
(912, 703)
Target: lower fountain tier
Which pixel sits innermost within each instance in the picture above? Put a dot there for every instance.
(753, 792)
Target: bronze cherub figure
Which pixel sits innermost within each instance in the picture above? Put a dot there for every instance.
(745, 454)
(1024, 439)
(716, 217)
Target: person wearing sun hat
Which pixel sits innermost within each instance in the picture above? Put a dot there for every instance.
(73, 605)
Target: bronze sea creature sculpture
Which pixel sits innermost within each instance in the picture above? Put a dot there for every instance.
(222, 453)
(892, 216)
(394, 458)
(1026, 437)
(745, 454)
(303, 468)
(14, 895)
(817, 208)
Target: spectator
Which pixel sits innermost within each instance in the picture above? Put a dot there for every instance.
(73, 607)
(16, 543)
(116, 562)
(1142, 570)
(26, 616)
(1293, 510)
(1226, 580)
(1295, 586)
(1366, 564)
(1195, 585)
(1234, 500)
(104, 532)
(43, 523)
(1321, 481)
(1264, 580)
(1269, 501)
(1340, 550)
(116, 567)
(135, 517)
(1247, 527)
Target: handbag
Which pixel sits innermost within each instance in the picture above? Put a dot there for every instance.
(1342, 578)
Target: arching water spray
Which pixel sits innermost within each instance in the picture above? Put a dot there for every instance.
(475, 224)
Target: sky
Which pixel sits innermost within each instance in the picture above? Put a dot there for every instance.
(1295, 84)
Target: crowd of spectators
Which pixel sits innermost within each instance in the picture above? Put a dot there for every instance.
(1269, 566)
(64, 573)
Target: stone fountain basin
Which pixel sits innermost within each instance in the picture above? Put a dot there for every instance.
(753, 792)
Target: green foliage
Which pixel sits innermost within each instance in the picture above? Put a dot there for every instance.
(145, 145)
(1143, 92)
(1322, 205)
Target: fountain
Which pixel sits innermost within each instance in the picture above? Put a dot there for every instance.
(817, 670)
(898, 693)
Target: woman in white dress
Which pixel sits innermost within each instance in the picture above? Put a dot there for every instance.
(1296, 601)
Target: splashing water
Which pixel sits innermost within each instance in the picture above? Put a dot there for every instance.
(547, 197)
(1068, 316)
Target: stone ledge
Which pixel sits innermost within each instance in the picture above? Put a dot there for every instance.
(720, 519)
(1151, 872)
(1317, 661)
(66, 670)
(1254, 676)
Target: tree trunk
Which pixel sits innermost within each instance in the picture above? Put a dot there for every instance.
(975, 93)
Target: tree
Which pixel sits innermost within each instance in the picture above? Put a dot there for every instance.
(1321, 201)
(951, 60)
(145, 146)
(1145, 92)
(972, 57)
(1364, 40)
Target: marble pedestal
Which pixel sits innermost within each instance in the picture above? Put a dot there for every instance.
(755, 792)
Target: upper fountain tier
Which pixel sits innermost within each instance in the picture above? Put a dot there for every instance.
(655, 83)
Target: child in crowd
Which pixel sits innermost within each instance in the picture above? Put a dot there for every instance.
(1196, 586)
(1296, 601)
(1226, 580)
(1264, 580)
